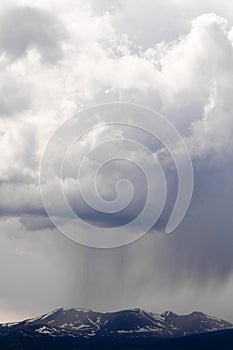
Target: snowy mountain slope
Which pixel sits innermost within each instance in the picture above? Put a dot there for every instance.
(134, 323)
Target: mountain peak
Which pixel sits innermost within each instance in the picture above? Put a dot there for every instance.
(85, 323)
(72, 309)
(168, 313)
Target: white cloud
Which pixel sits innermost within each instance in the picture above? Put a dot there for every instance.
(175, 63)
(179, 76)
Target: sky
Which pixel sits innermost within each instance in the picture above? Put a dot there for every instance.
(58, 58)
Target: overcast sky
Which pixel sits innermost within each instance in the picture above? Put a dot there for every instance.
(61, 56)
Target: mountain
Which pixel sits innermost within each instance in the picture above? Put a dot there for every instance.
(126, 329)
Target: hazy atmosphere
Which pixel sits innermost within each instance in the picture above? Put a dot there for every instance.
(58, 57)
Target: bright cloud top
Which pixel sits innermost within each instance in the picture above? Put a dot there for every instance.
(59, 57)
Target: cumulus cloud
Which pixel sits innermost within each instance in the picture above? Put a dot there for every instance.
(15, 97)
(63, 56)
(23, 28)
(154, 22)
(18, 158)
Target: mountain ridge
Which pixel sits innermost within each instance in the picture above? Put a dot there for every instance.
(84, 327)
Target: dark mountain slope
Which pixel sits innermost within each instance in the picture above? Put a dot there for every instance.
(126, 329)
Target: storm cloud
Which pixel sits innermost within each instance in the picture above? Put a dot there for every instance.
(61, 57)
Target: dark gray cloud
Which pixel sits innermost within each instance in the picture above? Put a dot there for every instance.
(36, 222)
(193, 267)
(24, 28)
(157, 270)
